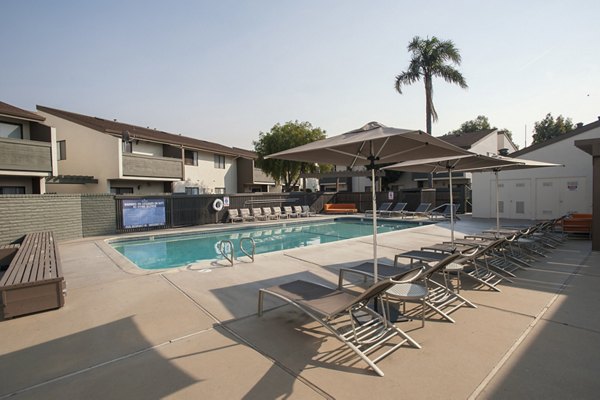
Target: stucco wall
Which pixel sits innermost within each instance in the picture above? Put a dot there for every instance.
(207, 177)
(556, 200)
(89, 152)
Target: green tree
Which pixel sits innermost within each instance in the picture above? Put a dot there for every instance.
(479, 124)
(284, 137)
(430, 58)
(550, 127)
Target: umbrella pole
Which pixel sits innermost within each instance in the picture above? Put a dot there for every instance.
(374, 208)
(497, 203)
(451, 209)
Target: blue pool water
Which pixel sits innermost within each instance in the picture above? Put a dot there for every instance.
(170, 251)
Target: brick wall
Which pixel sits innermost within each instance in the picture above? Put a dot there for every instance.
(98, 215)
(69, 216)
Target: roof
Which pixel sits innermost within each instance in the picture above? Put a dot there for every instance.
(11, 111)
(556, 139)
(246, 153)
(466, 140)
(113, 127)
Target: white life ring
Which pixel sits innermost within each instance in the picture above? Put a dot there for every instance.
(217, 205)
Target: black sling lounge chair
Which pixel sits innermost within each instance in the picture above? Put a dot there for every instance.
(336, 310)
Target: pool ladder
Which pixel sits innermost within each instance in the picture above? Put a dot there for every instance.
(227, 250)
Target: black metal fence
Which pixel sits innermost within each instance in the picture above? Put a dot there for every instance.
(191, 210)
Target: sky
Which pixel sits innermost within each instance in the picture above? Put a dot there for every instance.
(224, 71)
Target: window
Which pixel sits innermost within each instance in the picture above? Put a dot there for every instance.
(192, 190)
(520, 207)
(11, 131)
(190, 157)
(220, 190)
(61, 149)
(121, 190)
(219, 161)
(12, 189)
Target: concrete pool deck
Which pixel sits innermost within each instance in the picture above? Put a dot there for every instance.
(194, 333)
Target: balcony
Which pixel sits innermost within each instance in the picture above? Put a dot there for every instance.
(25, 155)
(136, 165)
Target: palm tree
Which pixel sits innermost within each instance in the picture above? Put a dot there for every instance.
(429, 59)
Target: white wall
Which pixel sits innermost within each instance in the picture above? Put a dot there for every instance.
(207, 177)
(547, 192)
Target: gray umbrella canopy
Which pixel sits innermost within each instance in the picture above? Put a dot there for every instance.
(387, 145)
(370, 145)
(461, 163)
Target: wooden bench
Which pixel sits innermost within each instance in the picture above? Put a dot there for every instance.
(340, 208)
(33, 281)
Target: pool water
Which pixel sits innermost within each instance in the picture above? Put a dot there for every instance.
(170, 251)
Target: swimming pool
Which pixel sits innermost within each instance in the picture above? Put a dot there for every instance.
(171, 251)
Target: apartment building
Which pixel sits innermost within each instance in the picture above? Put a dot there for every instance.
(101, 155)
(28, 151)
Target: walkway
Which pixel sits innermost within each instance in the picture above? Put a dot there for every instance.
(189, 333)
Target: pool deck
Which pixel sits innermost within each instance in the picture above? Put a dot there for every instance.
(194, 332)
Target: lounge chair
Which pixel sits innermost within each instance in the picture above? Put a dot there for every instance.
(435, 296)
(307, 212)
(269, 214)
(289, 212)
(245, 214)
(258, 214)
(444, 211)
(277, 212)
(337, 311)
(397, 209)
(382, 207)
(420, 211)
(299, 212)
(233, 215)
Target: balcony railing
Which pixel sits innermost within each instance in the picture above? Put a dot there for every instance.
(25, 155)
(136, 165)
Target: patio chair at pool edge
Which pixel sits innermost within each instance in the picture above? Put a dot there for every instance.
(443, 211)
(258, 214)
(439, 298)
(383, 207)
(289, 212)
(234, 215)
(421, 211)
(306, 210)
(299, 212)
(269, 214)
(277, 212)
(326, 306)
(397, 209)
(245, 214)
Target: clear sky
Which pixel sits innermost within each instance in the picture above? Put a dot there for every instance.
(224, 70)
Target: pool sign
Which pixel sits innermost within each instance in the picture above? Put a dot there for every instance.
(142, 213)
(226, 201)
(390, 195)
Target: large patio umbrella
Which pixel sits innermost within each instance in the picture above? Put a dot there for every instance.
(371, 145)
(462, 163)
